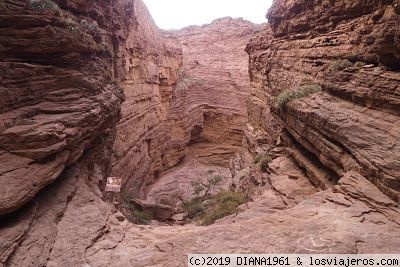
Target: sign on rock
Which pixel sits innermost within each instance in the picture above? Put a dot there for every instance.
(113, 184)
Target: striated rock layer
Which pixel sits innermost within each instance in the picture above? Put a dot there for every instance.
(345, 139)
(62, 70)
(149, 138)
(215, 81)
(351, 50)
(185, 97)
(59, 105)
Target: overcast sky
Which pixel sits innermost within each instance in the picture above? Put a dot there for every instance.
(176, 14)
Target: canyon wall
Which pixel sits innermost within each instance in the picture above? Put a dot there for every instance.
(185, 98)
(91, 89)
(350, 49)
(149, 137)
(60, 101)
(215, 82)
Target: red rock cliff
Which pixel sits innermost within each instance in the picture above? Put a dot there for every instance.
(60, 100)
(185, 97)
(351, 49)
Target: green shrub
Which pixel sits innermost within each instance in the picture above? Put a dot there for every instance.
(264, 163)
(258, 158)
(339, 65)
(197, 189)
(226, 204)
(359, 64)
(42, 4)
(194, 207)
(142, 217)
(215, 180)
(289, 95)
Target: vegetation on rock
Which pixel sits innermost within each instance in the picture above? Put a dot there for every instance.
(137, 216)
(71, 25)
(289, 95)
(89, 26)
(226, 203)
(264, 160)
(42, 4)
(339, 65)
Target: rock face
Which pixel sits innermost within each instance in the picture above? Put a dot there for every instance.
(335, 188)
(53, 105)
(149, 139)
(345, 139)
(215, 81)
(182, 100)
(59, 106)
(332, 221)
(352, 51)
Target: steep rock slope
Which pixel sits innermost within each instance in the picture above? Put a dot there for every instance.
(185, 93)
(215, 80)
(328, 134)
(60, 102)
(57, 98)
(150, 138)
(352, 51)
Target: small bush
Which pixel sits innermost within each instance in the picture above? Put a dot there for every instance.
(339, 65)
(359, 64)
(42, 4)
(264, 164)
(142, 217)
(197, 189)
(258, 158)
(71, 25)
(215, 180)
(289, 95)
(89, 26)
(194, 207)
(226, 204)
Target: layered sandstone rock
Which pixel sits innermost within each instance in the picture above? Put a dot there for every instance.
(149, 139)
(56, 96)
(59, 106)
(216, 83)
(185, 93)
(353, 217)
(352, 51)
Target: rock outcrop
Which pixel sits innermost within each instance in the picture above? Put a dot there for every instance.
(345, 139)
(333, 187)
(215, 81)
(60, 102)
(56, 95)
(185, 98)
(351, 50)
(149, 139)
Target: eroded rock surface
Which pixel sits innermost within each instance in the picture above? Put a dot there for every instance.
(186, 94)
(352, 217)
(351, 50)
(334, 191)
(215, 78)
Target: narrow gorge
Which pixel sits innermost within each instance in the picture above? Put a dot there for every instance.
(230, 137)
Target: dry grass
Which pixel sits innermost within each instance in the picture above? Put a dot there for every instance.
(288, 95)
(339, 65)
(226, 204)
(42, 4)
